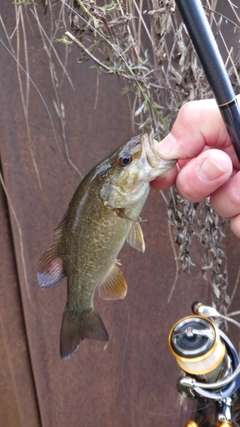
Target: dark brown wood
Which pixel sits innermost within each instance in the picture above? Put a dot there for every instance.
(131, 381)
(18, 402)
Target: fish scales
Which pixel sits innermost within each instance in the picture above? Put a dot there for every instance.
(85, 254)
(102, 214)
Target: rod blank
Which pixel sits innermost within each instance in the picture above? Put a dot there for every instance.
(206, 47)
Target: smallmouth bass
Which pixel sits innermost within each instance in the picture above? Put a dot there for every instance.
(103, 213)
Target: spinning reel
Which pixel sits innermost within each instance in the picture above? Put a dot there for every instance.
(209, 361)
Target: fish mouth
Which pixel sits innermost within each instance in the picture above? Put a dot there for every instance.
(153, 159)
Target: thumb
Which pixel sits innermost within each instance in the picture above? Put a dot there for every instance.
(204, 174)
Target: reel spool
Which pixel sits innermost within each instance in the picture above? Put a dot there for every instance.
(195, 343)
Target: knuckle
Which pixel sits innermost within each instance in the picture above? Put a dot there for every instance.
(186, 110)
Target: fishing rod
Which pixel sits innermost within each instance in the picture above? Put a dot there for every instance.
(206, 47)
(209, 361)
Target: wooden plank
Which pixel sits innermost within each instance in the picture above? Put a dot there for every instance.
(131, 382)
(18, 403)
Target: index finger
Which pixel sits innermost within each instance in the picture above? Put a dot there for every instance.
(199, 124)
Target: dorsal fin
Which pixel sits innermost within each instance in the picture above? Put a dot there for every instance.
(50, 268)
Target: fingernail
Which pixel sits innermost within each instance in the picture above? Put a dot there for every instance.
(166, 148)
(210, 170)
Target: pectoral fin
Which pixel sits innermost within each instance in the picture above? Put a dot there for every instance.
(135, 237)
(114, 286)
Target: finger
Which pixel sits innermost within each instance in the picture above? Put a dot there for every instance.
(165, 180)
(226, 200)
(235, 225)
(198, 124)
(203, 175)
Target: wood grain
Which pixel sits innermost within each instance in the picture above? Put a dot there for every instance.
(131, 382)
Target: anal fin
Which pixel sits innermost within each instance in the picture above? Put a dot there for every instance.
(114, 285)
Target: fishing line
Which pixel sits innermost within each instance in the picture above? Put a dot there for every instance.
(137, 408)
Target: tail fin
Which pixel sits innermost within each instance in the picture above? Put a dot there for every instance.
(79, 325)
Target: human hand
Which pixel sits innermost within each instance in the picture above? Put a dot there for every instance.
(207, 165)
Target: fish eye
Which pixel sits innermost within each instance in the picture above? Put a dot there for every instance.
(125, 159)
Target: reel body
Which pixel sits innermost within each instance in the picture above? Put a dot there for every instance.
(209, 361)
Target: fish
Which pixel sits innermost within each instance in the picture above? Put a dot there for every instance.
(103, 213)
